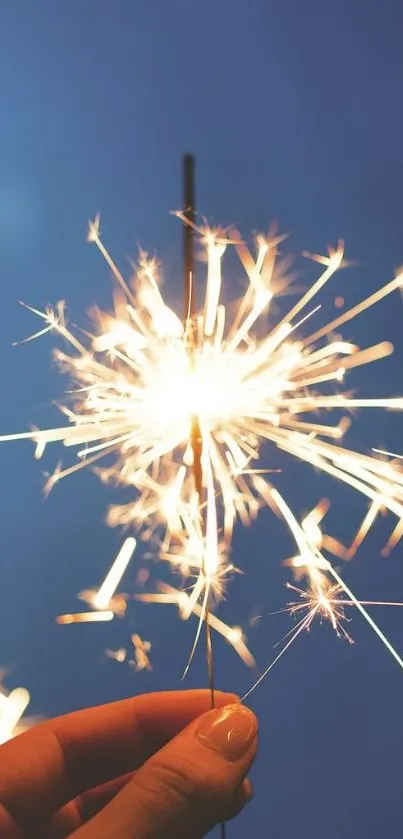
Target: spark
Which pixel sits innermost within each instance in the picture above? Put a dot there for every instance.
(388, 454)
(86, 617)
(327, 601)
(232, 634)
(106, 602)
(315, 563)
(323, 598)
(12, 709)
(179, 412)
(119, 655)
(141, 649)
(104, 596)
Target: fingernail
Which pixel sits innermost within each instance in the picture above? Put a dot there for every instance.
(229, 731)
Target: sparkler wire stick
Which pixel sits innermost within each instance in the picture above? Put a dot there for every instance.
(189, 314)
(189, 310)
(196, 439)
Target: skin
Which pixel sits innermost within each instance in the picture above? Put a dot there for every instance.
(135, 769)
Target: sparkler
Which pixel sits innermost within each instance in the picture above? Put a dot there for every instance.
(178, 409)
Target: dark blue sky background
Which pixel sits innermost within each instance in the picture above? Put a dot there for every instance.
(294, 110)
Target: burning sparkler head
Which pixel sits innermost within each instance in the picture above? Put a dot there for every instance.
(154, 394)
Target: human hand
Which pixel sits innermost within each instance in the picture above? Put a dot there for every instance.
(159, 765)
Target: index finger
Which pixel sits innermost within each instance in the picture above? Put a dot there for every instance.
(57, 760)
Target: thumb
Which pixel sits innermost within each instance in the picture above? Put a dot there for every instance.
(188, 786)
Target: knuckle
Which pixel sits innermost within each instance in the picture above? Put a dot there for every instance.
(188, 785)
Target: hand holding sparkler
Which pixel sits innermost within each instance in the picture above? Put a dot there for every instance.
(145, 767)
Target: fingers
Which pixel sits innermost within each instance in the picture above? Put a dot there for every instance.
(56, 761)
(8, 828)
(82, 809)
(191, 784)
(79, 811)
